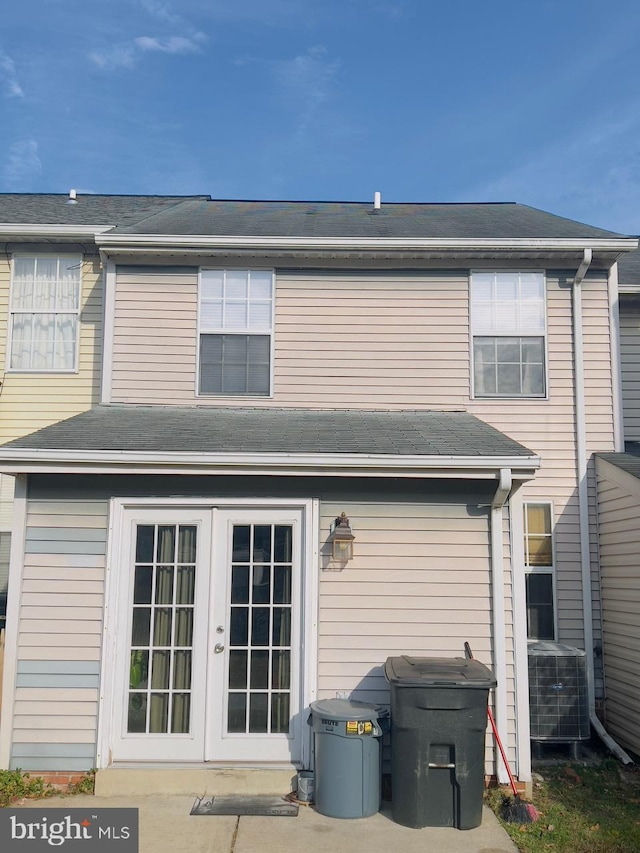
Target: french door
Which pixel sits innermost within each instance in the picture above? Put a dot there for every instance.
(207, 663)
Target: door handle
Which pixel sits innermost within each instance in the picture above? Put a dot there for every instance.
(218, 648)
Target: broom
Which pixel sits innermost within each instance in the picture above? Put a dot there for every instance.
(513, 809)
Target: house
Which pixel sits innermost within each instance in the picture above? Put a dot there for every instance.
(51, 352)
(442, 374)
(618, 484)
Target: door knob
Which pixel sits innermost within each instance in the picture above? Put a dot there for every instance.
(218, 648)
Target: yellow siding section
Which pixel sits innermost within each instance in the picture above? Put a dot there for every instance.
(31, 401)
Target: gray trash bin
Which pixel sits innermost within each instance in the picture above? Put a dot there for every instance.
(348, 757)
(438, 726)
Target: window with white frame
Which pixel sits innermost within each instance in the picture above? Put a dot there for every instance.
(235, 332)
(539, 568)
(45, 313)
(508, 322)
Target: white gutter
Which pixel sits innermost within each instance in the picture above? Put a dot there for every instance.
(108, 324)
(616, 372)
(12, 229)
(621, 244)
(15, 460)
(499, 633)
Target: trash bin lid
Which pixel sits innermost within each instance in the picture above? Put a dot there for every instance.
(345, 709)
(438, 672)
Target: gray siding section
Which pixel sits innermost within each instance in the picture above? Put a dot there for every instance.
(52, 756)
(630, 367)
(619, 540)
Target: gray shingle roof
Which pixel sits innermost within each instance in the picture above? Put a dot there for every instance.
(629, 462)
(174, 429)
(52, 208)
(356, 219)
(201, 215)
(629, 269)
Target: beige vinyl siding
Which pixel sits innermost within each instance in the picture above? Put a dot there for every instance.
(630, 367)
(419, 584)
(392, 340)
(60, 634)
(619, 534)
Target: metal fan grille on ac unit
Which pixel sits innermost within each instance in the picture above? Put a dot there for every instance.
(558, 698)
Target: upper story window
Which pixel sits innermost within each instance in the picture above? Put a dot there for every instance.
(235, 331)
(539, 568)
(45, 313)
(508, 324)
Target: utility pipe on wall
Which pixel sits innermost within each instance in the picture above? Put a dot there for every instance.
(499, 640)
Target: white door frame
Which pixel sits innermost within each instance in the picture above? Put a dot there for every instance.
(309, 602)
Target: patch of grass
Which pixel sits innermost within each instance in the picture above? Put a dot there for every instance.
(86, 785)
(16, 785)
(592, 809)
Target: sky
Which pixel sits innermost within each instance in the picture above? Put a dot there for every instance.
(534, 101)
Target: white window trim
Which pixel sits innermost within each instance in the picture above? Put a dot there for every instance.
(542, 570)
(77, 311)
(238, 398)
(545, 336)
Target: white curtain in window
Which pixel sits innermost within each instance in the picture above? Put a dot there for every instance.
(44, 324)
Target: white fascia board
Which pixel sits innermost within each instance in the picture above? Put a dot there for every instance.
(32, 230)
(46, 461)
(195, 241)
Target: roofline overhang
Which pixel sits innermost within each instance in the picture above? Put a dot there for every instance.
(39, 461)
(136, 242)
(34, 230)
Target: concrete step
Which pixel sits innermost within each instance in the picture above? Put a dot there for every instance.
(136, 781)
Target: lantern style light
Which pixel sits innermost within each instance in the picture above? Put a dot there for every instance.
(342, 539)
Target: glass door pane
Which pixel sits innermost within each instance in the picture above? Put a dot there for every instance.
(161, 641)
(259, 674)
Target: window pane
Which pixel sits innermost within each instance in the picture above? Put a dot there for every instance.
(261, 282)
(241, 538)
(139, 669)
(281, 670)
(164, 585)
(262, 543)
(160, 670)
(538, 518)
(159, 713)
(137, 713)
(240, 585)
(509, 379)
(141, 627)
(235, 315)
(260, 670)
(142, 585)
(211, 315)
(184, 626)
(540, 617)
(237, 284)
(259, 315)
(261, 585)
(211, 284)
(280, 713)
(260, 626)
(239, 633)
(258, 709)
(282, 544)
(238, 669)
(234, 364)
(237, 715)
(182, 669)
(181, 713)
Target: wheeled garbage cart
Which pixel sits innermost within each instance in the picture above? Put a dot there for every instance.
(438, 726)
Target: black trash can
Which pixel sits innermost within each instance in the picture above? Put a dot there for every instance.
(438, 726)
(348, 757)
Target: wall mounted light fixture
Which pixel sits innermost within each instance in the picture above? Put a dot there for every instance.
(341, 539)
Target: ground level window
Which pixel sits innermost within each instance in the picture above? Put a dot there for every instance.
(539, 567)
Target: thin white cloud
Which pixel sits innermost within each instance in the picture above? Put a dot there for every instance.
(119, 56)
(173, 44)
(593, 175)
(8, 77)
(307, 82)
(23, 165)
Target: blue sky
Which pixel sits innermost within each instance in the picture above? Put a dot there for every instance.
(535, 101)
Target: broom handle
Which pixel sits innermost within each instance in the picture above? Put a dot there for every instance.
(468, 652)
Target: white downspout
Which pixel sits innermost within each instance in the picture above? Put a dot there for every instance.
(616, 372)
(583, 500)
(499, 638)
